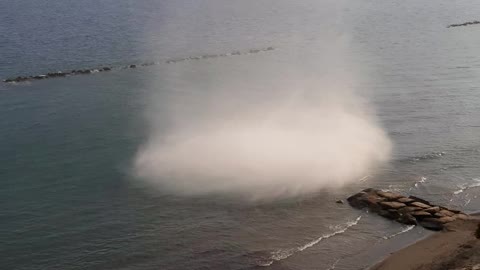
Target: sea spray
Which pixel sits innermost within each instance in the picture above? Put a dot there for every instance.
(268, 154)
(283, 124)
(299, 136)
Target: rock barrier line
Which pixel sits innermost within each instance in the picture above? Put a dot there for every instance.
(409, 210)
(60, 74)
(463, 24)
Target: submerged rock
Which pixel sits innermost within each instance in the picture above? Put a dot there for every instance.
(431, 224)
(84, 71)
(408, 219)
(411, 210)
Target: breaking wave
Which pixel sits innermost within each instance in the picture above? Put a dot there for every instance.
(333, 265)
(282, 254)
(416, 184)
(467, 186)
(461, 197)
(365, 178)
(404, 230)
(424, 157)
(422, 180)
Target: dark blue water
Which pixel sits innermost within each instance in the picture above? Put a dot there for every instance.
(68, 199)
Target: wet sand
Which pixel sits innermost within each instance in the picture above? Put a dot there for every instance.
(454, 248)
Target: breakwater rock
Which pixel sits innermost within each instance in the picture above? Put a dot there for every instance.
(60, 74)
(406, 210)
(463, 24)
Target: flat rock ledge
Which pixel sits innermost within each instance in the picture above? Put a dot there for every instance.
(406, 210)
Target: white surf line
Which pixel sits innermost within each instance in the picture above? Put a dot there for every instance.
(333, 265)
(466, 187)
(285, 253)
(363, 179)
(422, 180)
(316, 241)
(404, 230)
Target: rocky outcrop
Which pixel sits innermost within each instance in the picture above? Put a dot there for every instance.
(406, 210)
(131, 66)
(470, 267)
(463, 24)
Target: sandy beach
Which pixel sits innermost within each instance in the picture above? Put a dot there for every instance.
(454, 248)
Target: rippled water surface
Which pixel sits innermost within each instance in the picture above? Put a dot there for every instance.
(68, 199)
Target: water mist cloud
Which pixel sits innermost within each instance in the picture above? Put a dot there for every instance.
(301, 151)
(299, 142)
(284, 123)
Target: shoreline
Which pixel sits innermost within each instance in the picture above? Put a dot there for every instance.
(454, 248)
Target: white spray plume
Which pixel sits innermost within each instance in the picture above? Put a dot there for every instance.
(260, 133)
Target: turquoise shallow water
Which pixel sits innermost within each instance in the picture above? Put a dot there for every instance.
(68, 199)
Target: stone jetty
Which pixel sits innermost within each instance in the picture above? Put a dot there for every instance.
(463, 24)
(409, 210)
(60, 74)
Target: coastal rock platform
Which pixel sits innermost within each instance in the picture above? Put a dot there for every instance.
(409, 210)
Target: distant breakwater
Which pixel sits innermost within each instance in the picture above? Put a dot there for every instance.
(61, 74)
(463, 24)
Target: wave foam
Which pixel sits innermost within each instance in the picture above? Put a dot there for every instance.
(285, 253)
(422, 180)
(417, 183)
(465, 187)
(333, 265)
(424, 157)
(404, 230)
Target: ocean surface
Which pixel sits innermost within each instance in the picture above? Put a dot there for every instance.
(69, 200)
